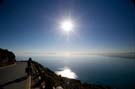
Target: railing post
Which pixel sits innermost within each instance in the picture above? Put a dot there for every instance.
(29, 72)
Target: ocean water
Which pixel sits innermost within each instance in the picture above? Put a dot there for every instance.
(112, 71)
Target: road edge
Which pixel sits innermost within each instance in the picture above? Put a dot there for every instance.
(7, 66)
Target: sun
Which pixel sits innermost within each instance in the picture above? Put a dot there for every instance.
(67, 25)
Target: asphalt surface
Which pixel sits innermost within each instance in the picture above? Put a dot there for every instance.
(13, 77)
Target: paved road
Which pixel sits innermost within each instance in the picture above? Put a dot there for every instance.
(14, 77)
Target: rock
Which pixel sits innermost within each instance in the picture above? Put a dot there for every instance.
(6, 57)
(59, 87)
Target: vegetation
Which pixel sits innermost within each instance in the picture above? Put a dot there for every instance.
(6, 57)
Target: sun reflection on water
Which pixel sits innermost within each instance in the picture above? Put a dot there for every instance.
(66, 72)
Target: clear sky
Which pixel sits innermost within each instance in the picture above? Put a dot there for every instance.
(33, 25)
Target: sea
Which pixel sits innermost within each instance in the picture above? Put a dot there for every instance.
(119, 73)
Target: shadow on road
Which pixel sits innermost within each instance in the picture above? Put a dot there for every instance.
(14, 81)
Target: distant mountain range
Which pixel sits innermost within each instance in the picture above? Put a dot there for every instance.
(130, 55)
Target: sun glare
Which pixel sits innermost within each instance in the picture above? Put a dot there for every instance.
(66, 72)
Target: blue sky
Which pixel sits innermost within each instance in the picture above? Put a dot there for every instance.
(33, 25)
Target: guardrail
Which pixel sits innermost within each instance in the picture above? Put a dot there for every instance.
(28, 70)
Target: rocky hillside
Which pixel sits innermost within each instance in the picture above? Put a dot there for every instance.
(6, 57)
(52, 81)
